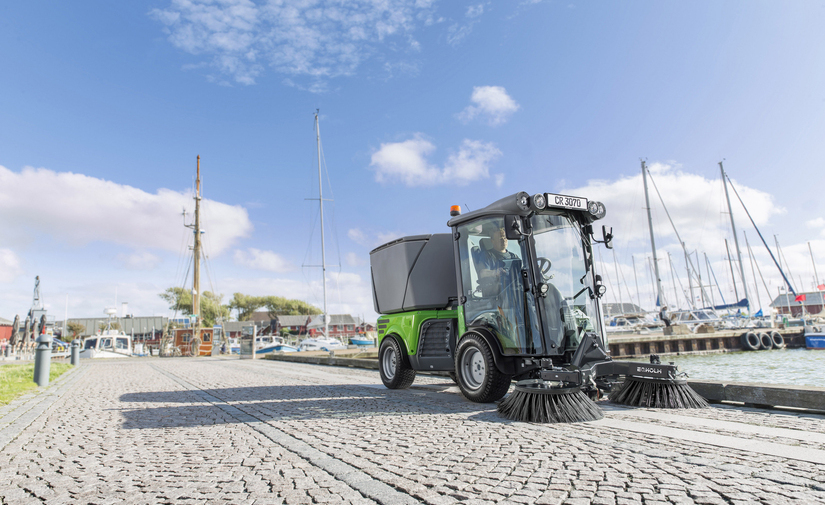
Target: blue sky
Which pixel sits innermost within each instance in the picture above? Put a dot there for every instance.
(424, 104)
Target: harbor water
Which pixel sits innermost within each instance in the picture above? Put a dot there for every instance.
(796, 367)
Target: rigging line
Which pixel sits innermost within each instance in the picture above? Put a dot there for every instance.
(753, 272)
(760, 235)
(332, 199)
(626, 287)
(704, 221)
(784, 259)
(767, 291)
(672, 281)
(182, 252)
(681, 242)
(681, 286)
(718, 287)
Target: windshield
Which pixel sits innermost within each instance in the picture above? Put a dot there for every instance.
(569, 310)
(491, 276)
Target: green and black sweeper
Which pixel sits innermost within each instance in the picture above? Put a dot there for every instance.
(511, 294)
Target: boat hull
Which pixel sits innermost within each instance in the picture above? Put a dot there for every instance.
(815, 341)
(276, 348)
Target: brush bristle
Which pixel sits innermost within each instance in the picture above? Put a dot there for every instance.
(657, 394)
(530, 407)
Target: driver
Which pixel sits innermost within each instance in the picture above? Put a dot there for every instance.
(490, 263)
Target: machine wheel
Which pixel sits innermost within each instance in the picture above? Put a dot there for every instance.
(765, 341)
(478, 378)
(395, 370)
(453, 377)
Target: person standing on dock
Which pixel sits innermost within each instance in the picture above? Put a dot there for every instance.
(663, 316)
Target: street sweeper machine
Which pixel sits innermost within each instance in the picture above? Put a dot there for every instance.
(511, 294)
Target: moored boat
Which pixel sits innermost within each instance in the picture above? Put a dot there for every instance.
(108, 343)
(814, 337)
(321, 344)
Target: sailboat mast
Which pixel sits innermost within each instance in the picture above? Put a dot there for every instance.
(636, 280)
(732, 274)
(735, 238)
(196, 284)
(321, 203)
(659, 293)
(753, 271)
(816, 276)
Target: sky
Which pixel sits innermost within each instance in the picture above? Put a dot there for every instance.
(423, 104)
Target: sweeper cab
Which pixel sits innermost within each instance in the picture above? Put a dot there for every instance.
(510, 293)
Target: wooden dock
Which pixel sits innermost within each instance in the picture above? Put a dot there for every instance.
(638, 346)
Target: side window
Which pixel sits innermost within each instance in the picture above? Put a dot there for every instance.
(492, 285)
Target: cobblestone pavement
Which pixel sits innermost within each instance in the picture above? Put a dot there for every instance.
(227, 431)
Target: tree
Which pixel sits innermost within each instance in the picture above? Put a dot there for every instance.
(246, 305)
(280, 306)
(180, 299)
(74, 328)
(114, 325)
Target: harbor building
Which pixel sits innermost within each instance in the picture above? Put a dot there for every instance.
(808, 303)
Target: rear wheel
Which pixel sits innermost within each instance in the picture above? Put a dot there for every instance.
(393, 366)
(478, 378)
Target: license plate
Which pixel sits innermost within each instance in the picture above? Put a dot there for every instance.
(567, 202)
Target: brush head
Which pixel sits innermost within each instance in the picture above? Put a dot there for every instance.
(657, 394)
(540, 403)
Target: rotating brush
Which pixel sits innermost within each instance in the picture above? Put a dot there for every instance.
(657, 393)
(538, 402)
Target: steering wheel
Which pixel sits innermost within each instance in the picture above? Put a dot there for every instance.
(544, 266)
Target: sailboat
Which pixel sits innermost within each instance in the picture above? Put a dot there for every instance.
(195, 341)
(324, 342)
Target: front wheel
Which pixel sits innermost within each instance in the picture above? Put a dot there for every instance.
(393, 366)
(478, 378)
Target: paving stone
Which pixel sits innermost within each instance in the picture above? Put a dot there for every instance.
(227, 431)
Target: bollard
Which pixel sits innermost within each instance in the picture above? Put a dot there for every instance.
(42, 360)
(75, 352)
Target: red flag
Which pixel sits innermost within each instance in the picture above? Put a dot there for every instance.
(800, 298)
(821, 287)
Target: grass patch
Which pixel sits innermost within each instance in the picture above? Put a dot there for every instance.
(17, 380)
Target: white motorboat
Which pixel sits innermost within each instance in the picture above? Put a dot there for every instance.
(321, 344)
(276, 347)
(108, 343)
(266, 344)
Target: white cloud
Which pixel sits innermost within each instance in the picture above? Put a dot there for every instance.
(355, 260)
(459, 31)
(698, 208)
(490, 103)
(262, 260)
(406, 162)
(370, 239)
(816, 223)
(79, 209)
(318, 39)
(499, 180)
(357, 236)
(9, 266)
(139, 260)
